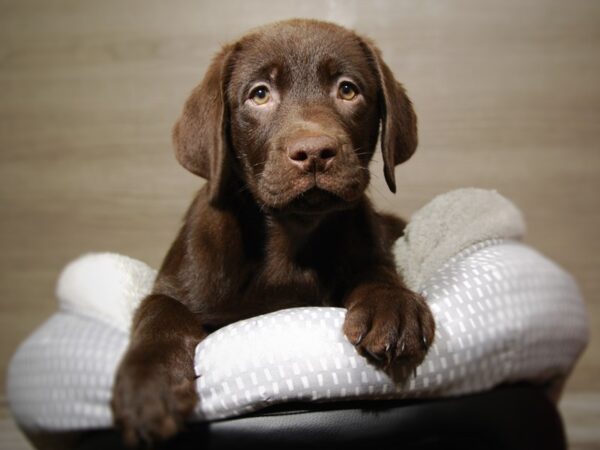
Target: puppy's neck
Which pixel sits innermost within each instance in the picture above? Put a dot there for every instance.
(301, 235)
(292, 233)
(291, 236)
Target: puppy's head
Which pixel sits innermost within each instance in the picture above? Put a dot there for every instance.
(293, 111)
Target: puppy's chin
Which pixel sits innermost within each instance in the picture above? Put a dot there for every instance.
(312, 196)
(314, 201)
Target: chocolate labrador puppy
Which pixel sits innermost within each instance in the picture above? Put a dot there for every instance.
(283, 127)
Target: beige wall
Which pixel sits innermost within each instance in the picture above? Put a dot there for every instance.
(507, 93)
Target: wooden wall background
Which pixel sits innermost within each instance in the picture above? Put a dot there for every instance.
(507, 93)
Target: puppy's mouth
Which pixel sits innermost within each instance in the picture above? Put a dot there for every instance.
(287, 190)
(315, 200)
(308, 196)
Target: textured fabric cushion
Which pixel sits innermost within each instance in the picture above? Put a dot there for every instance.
(504, 313)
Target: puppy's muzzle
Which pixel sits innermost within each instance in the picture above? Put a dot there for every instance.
(313, 154)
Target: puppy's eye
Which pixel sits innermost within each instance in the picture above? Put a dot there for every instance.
(347, 91)
(260, 95)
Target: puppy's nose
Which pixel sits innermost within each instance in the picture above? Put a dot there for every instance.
(313, 153)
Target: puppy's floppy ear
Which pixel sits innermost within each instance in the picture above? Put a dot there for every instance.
(398, 120)
(201, 135)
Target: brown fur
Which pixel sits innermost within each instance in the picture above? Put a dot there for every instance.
(283, 220)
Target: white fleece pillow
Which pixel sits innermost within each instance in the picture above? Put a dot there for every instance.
(503, 312)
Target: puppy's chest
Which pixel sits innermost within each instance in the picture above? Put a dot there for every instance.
(286, 281)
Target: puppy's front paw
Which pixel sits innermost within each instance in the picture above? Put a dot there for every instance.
(152, 398)
(388, 324)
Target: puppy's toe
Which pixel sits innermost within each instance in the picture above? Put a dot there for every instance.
(417, 334)
(391, 325)
(357, 324)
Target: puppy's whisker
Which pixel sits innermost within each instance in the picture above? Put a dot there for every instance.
(377, 190)
(243, 189)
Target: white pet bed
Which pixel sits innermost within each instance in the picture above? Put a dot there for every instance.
(504, 313)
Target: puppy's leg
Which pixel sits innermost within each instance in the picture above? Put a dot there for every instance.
(155, 387)
(387, 322)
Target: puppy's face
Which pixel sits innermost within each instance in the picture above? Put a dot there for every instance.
(304, 116)
(293, 111)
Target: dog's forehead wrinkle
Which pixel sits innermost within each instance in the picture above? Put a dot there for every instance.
(302, 43)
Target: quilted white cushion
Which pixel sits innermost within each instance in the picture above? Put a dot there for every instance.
(504, 313)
